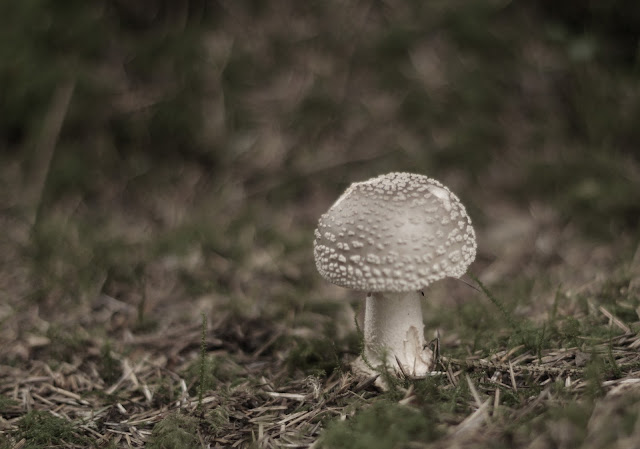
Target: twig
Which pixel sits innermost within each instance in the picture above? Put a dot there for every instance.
(474, 420)
(537, 369)
(513, 377)
(615, 320)
(473, 390)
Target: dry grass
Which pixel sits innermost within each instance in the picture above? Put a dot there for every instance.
(115, 399)
(263, 405)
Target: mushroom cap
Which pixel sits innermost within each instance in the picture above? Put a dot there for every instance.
(394, 233)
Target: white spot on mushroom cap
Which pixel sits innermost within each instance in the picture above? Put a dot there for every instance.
(411, 231)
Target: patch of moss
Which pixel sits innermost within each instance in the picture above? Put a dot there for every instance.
(380, 426)
(42, 429)
(175, 431)
(438, 393)
(6, 403)
(313, 356)
(201, 375)
(215, 420)
(205, 373)
(110, 369)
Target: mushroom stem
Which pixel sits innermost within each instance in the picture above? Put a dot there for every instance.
(394, 333)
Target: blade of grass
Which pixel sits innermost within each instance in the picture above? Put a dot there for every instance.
(46, 148)
(496, 302)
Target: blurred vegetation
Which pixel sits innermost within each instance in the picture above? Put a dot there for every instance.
(182, 81)
(272, 115)
(42, 429)
(381, 425)
(175, 432)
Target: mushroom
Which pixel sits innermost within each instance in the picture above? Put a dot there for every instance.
(392, 236)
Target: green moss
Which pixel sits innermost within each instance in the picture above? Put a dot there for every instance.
(382, 425)
(201, 374)
(437, 392)
(110, 369)
(175, 432)
(207, 372)
(6, 403)
(216, 420)
(41, 429)
(313, 356)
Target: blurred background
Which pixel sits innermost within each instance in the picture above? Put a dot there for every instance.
(163, 158)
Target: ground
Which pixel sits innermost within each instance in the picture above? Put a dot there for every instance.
(163, 167)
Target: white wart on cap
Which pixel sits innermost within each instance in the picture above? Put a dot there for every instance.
(395, 233)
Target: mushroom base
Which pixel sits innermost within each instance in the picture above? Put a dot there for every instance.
(394, 333)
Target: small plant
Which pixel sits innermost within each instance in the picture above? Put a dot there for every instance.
(436, 392)
(215, 420)
(166, 392)
(109, 366)
(41, 429)
(499, 305)
(524, 333)
(217, 369)
(316, 356)
(175, 431)
(383, 425)
(203, 362)
(6, 403)
(594, 375)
